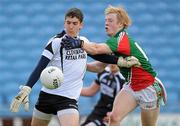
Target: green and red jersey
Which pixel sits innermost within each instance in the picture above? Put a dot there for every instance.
(139, 77)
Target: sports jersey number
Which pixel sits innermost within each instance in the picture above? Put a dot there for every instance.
(141, 50)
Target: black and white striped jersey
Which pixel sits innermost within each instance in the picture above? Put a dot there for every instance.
(110, 84)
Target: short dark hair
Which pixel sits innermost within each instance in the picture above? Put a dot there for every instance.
(75, 12)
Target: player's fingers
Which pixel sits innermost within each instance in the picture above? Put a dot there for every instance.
(14, 107)
(107, 117)
(26, 104)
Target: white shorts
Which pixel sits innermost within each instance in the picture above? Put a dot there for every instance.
(148, 98)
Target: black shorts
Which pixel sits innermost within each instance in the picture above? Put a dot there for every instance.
(97, 122)
(51, 104)
(95, 119)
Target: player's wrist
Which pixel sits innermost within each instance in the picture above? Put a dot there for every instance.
(26, 89)
(121, 62)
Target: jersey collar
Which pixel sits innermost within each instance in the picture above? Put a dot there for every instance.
(117, 34)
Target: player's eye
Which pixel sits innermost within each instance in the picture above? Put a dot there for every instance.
(68, 22)
(75, 23)
(109, 20)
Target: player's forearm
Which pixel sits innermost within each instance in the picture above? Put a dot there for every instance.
(105, 58)
(90, 48)
(43, 62)
(85, 92)
(96, 66)
(94, 48)
(91, 90)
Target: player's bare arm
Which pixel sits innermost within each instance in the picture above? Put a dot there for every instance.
(89, 47)
(96, 66)
(91, 90)
(94, 48)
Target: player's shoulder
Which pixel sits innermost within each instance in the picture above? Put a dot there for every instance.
(57, 38)
(60, 35)
(54, 41)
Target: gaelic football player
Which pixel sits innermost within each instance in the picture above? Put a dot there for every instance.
(109, 82)
(144, 89)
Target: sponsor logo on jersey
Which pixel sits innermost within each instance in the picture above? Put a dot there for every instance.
(75, 54)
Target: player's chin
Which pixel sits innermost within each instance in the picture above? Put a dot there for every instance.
(109, 34)
(72, 33)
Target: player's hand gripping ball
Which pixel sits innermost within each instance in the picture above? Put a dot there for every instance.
(51, 77)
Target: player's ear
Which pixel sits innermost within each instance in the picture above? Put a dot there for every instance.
(81, 26)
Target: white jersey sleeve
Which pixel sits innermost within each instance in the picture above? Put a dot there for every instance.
(51, 48)
(84, 39)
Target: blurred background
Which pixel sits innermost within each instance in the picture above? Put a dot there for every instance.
(26, 26)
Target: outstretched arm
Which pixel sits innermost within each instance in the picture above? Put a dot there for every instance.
(43, 62)
(105, 58)
(89, 47)
(120, 61)
(23, 95)
(94, 48)
(91, 90)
